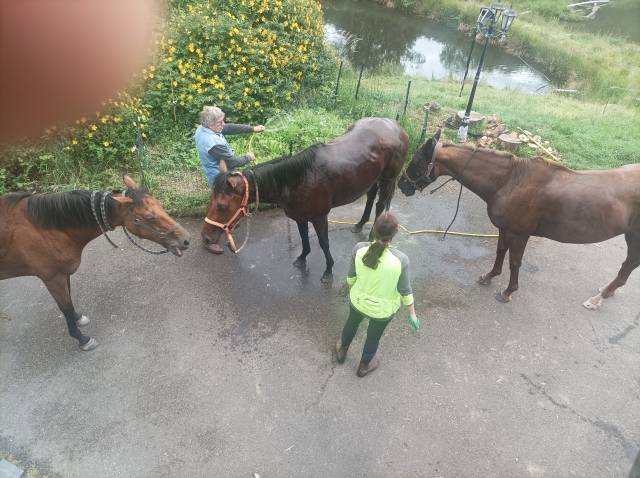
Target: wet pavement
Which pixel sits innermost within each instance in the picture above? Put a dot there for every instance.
(222, 365)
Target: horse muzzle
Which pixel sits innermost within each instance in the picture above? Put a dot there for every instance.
(179, 241)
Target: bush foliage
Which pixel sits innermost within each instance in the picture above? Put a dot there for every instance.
(250, 57)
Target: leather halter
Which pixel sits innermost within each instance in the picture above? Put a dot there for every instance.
(414, 182)
(231, 224)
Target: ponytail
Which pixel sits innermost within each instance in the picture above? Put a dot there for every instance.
(372, 256)
(384, 229)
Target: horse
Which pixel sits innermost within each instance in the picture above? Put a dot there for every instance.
(538, 197)
(43, 235)
(368, 158)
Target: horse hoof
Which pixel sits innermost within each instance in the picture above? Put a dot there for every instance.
(213, 248)
(484, 280)
(593, 303)
(300, 263)
(327, 278)
(502, 298)
(356, 228)
(90, 345)
(82, 321)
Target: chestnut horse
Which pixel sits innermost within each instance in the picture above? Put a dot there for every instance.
(43, 235)
(538, 197)
(366, 159)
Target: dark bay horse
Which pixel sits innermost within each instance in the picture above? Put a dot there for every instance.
(43, 235)
(366, 159)
(538, 197)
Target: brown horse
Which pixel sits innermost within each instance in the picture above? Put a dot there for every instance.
(538, 197)
(367, 159)
(43, 235)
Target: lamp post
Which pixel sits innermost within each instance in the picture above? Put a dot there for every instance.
(489, 18)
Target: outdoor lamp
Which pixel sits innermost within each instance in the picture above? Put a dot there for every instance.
(488, 19)
(508, 16)
(483, 18)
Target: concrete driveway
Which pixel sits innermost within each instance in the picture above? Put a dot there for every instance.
(222, 366)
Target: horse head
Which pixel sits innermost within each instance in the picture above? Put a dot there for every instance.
(228, 204)
(419, 173)
(143, 215)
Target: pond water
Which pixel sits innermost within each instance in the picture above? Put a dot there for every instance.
(423, 47)
(618, 18)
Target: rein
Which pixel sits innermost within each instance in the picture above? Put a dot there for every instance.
(243, 211)
(103, 222)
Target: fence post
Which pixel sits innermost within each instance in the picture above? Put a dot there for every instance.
(290, 149)
(335, 94)
(406, 98)
(359, 78)
(424, 126)
(139, 146)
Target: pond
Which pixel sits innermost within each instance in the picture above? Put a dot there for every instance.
(424, 48)
(618, 18)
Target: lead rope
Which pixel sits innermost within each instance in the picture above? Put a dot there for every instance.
(248, 215)
(455, 215)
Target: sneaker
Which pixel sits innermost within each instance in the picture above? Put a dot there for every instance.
(341, 352)
(364, 369)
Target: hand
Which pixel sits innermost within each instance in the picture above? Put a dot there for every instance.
(251, 156)
(258, 129)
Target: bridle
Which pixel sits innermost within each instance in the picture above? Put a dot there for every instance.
(103, 223)
(242, 211)
(414, 182)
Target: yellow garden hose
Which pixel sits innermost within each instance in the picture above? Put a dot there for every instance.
(426, 231)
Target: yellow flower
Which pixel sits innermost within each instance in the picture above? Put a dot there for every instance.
(106, 144)
(152, 68)
(192, 47)
(74, 141)
(93, 127)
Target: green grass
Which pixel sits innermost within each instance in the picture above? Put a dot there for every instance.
(586, 134)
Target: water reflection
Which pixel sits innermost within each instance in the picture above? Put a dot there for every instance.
(424, 48)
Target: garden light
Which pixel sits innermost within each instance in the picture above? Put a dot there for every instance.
(488, 19)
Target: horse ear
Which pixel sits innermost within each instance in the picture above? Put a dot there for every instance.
(130, 183)
(231, 183)
(436, 136)
(123, 199)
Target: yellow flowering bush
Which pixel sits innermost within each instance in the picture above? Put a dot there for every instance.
(111, 136)
(246, 56)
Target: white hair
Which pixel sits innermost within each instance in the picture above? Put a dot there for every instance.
(210, 114)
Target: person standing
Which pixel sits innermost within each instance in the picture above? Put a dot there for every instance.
(379, 284)
(213, 147)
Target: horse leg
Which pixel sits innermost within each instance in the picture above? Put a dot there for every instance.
(371, 196)
(59, 289)
(81, 320)
(303, 229)
(321, 225)
(516, 245)
(497, 266)
(384, 199)
(631, 262)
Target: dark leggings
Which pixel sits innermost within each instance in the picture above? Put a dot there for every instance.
(374, 332)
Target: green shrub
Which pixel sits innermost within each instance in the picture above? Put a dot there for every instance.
(249, 57)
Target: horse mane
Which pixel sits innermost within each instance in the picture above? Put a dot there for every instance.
(279, 173)
(521, 166)
(68, 210)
